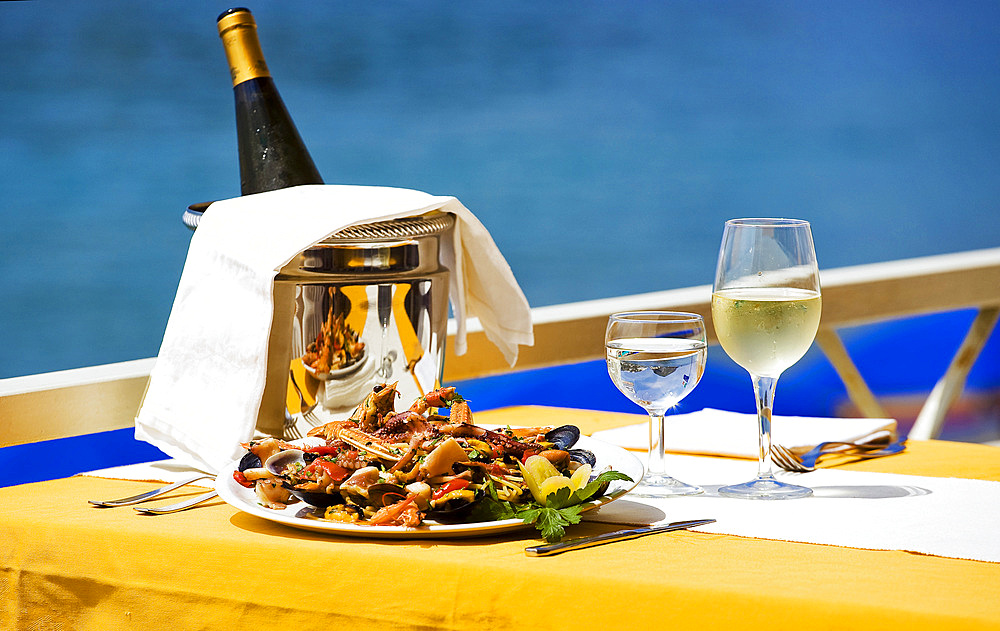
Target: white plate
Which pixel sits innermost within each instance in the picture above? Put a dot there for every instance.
(244, 499)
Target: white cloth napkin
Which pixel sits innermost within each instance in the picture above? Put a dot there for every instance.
(948, 517)
(206, 386)
(159, 471)
(723, 433)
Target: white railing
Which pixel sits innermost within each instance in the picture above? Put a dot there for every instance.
(854, 295)
(87, 400)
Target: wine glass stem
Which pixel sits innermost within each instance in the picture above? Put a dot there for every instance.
(763, 389)
(655, 463)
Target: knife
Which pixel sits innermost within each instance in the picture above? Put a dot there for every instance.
(608, 537)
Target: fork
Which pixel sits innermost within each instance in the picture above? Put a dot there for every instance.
(308, 412)
(291, 429)
(312, 418)
(142, 497)
(179, 506)
(788, 460)
(796, 461)
(791, 458)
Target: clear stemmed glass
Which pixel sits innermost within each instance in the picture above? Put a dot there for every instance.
(766, 307)
(656, 358)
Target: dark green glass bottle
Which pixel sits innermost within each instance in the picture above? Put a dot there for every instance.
(272, 154)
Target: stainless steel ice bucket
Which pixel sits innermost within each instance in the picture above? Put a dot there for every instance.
(365, 306)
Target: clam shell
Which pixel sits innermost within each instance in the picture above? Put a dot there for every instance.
(280, 461)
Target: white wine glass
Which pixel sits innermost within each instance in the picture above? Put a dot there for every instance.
(656, 358)
(766, 306)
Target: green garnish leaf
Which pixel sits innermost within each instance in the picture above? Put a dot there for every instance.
(551, 522)
(561, 498)
(563, 508)
(491, 507)
(588, 490)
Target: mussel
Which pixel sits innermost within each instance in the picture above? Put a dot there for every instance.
(563, 437)
(385, 494)
(583, 456)
(250, 460)
(566, 436)
(455, 510)
(319, 499)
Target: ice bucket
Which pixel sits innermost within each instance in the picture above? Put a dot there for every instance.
(368, 305)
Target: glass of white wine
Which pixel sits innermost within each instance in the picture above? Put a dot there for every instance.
(656, 358)
(766, 306)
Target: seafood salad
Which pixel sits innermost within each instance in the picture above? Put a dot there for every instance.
(386, 468)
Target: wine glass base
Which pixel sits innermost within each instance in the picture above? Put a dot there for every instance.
(765, 489)
(660, 485)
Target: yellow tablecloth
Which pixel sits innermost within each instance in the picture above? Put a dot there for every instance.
(67, 565)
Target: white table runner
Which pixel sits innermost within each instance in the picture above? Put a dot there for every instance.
(947, 517)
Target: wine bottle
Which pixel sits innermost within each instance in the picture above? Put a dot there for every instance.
(272, 154)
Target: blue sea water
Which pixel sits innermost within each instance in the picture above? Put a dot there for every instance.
(603, 143)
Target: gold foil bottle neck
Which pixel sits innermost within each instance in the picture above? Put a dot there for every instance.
(238, 31)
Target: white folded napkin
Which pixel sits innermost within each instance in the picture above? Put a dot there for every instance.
(206, 386)
(947, 517)
(723, 433)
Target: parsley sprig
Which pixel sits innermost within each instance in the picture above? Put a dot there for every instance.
(562, 508)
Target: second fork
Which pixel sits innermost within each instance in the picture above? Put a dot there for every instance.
(786, 459)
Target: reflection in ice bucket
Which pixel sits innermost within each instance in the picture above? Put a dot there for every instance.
(370, 306)
(342, 388)
(343, 393)
(336, 347)
(368, 334)
(338, 373)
